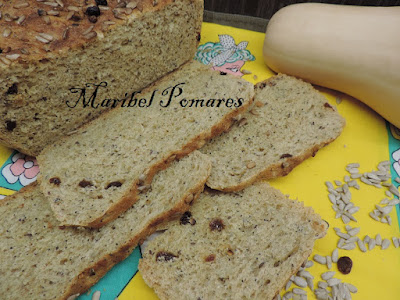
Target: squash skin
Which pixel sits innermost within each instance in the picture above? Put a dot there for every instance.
(355, 50)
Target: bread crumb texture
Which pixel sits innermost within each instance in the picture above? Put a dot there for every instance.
(289, 122)
(41, 260)
(242, 245)
(49, 47)
(108, 162)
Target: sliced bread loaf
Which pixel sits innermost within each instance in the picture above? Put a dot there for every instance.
(48, 49)
(93, 175)
(40, 260)
(290, 121)
(242, 245)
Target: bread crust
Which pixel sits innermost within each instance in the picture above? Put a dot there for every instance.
(128, 54)
(66, 30)
(287, 162)
(88, 276)
(84, 281)
(131, 196)
(275, 170)
(154, 272)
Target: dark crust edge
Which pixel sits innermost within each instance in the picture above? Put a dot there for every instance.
(275, 170)
(318, 225)
(20, 146)
(131, 197)
(84, 281)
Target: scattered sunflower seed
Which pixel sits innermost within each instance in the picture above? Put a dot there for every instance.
(298, 291)
(300, 281)
(309, 264)
(329, 262)
(335, 255)
(378, 240)
(361, 245)
(371, 244)
(395, 242)
(328, 275)
(385, 244)
(333, 281)
(320, 259)
(351, 288)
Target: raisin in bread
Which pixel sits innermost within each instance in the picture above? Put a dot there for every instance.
(49, 47)
(107, 162)
(242, 245)
(42, 261)
(290, 122)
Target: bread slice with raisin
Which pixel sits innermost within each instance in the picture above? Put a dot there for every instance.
(95, 174)
(242, 245)
(40, 260)
(48, 52)
(289, 123)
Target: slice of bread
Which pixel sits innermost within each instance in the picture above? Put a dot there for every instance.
(242, 245)
(289, 122)
(50, 49)
(93, 175)
(40, 260)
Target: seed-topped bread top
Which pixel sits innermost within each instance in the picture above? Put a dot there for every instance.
(35, 30)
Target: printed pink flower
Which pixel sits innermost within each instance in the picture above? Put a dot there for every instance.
(23, 168)
(231, 68)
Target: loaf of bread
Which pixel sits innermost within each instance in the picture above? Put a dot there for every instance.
(51, 50)
(108, 161)
(290, 122)
(39, 260)
(242, 245)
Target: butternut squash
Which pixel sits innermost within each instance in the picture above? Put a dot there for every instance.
(353, 49)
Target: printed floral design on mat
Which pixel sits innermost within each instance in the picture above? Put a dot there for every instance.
(396, 164)
(225, 56)
(23, 169)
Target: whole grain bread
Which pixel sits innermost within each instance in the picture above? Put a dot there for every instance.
(242, 245)
(40, 260)
(290, 122)
(95, 174)
(50, 47)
